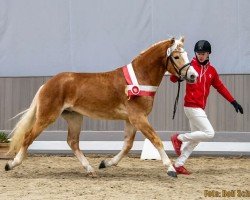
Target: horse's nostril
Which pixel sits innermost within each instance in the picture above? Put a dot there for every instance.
(192, 77)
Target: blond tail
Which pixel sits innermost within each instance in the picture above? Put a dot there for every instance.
(24, 125)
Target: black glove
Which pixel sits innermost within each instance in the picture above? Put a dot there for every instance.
(237, 106)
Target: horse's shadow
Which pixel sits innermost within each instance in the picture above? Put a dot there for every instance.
(112, 173)
(120, 172)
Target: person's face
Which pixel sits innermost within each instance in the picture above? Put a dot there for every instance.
(202, 56)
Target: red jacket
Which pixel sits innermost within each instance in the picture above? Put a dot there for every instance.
(197, 93)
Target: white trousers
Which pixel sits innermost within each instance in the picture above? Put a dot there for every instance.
(201, 130)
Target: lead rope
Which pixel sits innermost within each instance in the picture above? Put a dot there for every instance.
(179, 83)
(176, 99)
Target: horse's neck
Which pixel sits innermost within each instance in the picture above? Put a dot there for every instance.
(148, 71)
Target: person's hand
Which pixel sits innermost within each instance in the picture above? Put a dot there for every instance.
(237, 106)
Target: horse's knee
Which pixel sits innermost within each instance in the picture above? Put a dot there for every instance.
(128, 147)
(73, 143)
(158, 143)
(70, 142)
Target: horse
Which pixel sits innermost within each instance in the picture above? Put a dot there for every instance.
(126, 93)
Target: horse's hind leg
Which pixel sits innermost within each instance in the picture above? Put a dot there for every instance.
(31, 126)
(142, 124)
(74, 121)
(130, 132)
(29, 137)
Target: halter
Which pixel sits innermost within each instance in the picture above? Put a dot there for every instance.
(178, 70)
(170, 50)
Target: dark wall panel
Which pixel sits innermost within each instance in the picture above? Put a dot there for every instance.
(17, 93)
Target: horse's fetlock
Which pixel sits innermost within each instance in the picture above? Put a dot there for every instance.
(89, 169)
(170, 167)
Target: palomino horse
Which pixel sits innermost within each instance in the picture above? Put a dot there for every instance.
(127, 93)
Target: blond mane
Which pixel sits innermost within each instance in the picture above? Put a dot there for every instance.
(154, 45)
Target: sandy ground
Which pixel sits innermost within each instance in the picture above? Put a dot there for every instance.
(57, 177)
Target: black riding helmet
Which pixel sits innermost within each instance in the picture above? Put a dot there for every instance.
(202, 46)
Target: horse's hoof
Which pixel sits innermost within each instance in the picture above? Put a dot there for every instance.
(172, 174)
(7, 167)
(102, 165)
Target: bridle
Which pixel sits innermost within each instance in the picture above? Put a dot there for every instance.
(178, 71)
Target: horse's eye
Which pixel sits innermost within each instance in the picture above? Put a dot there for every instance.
(176, 57)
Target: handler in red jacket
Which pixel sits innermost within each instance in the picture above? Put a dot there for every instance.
(195, 103)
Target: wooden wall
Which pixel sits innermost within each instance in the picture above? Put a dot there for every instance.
(17, 93)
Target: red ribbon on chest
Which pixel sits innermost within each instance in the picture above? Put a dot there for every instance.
(133, 88)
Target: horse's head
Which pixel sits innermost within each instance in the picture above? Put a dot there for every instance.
(178, 63)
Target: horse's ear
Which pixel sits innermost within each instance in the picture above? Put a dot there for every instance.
(172, 41)
(182, 39)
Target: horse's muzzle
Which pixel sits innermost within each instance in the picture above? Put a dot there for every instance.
(192, 75)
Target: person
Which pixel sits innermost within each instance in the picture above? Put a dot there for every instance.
(195, 103)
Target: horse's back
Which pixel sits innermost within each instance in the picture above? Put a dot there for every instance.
(102, 77)
(92, 94)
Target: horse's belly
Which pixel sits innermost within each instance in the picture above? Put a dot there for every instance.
(118, 112)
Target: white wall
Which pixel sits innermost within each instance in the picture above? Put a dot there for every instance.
(44, 37)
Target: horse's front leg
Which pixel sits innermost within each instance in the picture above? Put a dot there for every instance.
(74, 128)
(141, 123)
(130, 132)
